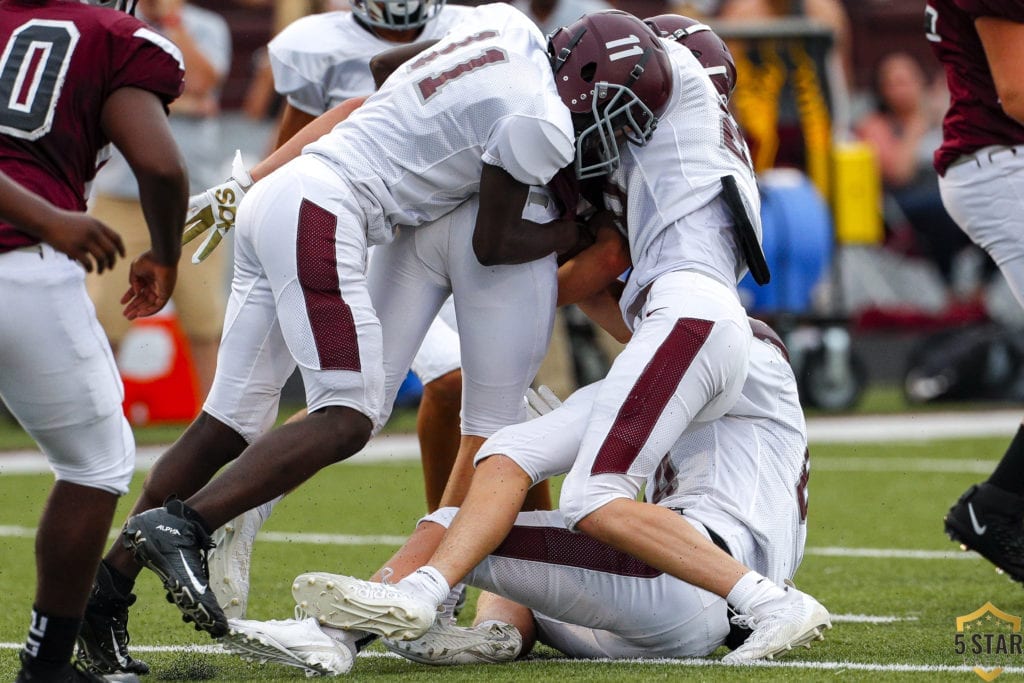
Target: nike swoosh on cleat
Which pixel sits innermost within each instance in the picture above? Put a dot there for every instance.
(121, 659)
(196, 583)
(978, 528)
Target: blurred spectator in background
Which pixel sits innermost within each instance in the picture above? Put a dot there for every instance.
(261, 100)
(791, 91)
(551, 14)
(696, 9)
(904, 131)
(200, 298)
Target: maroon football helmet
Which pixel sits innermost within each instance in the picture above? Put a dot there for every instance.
(614, 75)
(712, 53)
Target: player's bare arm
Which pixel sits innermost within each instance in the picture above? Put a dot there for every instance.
(603, 309)
(311, 132)
(501, 236)
(136, 123)
(385, 63)
(293, 120)
(76, 234)
(1003, 41)
(598, 265)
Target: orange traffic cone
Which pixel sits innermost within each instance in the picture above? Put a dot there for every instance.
(156, 368)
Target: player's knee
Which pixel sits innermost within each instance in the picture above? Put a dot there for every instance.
(445, 391)
(113, 478)
(345, 430)
(585, 524)
(573, 508)
(579, 500)
(100, 455)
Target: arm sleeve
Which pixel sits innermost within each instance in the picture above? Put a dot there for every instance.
(529, 149)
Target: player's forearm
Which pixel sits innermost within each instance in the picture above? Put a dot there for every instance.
(164, 199)
(603, 309)
(591, 271)
(26, 210)
(292, 121)
(525, 242)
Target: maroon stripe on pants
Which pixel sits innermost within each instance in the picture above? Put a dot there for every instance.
(334, 329)
(551, 545)
(649, 396)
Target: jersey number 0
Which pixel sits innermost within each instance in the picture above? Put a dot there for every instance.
(32, 70)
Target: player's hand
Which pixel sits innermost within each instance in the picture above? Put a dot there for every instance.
(150, 285)
(215, 210)
(85, 240)
(603, 226)
(541, 402)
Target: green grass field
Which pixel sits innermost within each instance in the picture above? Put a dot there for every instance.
(876, 557)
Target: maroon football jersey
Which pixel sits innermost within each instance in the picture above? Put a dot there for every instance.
(975, 118)
(59, 61)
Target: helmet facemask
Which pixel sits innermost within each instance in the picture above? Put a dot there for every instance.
(616, 114)
(614, 75)
(397, 15)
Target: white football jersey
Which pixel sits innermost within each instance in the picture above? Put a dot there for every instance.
(416, 149)
(322, 60)
(679, 171)
(747, 471)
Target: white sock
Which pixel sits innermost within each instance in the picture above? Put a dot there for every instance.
(345, 638)
(451, 601)
(265, 509)
(751, 592)
(426, 583)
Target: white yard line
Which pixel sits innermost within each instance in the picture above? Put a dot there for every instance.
(688, 663)
(856, 429)
(370, 539)
(868, 619)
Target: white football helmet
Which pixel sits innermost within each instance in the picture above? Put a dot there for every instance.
(397, 15)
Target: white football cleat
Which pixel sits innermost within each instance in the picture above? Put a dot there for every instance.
(349, 603)
(292, 642)
(795, 619)
(445, 643)
(229, 562)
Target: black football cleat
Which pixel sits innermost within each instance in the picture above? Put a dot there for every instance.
(175, 548)
(103, 640)
(69, 673)
(990, 522)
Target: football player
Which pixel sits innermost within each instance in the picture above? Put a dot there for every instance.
(580, 596)
(981, 177)
(299, 296)
(689, 203)
(319, 62)
(710, 50)
(75, 79)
